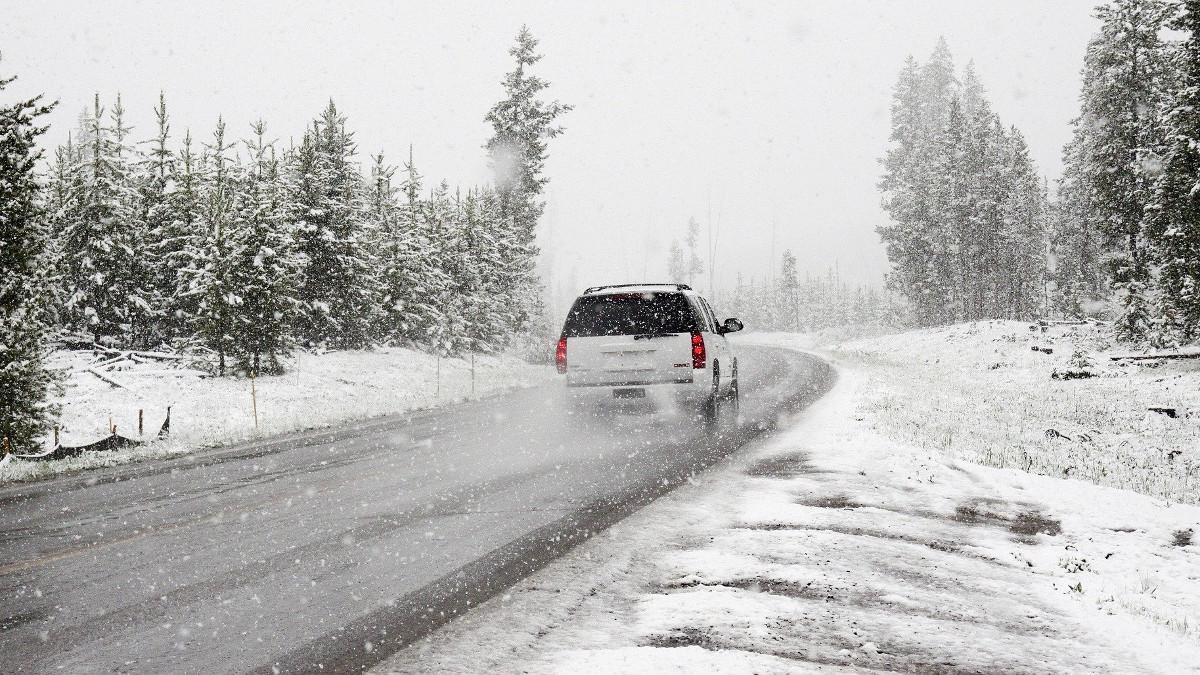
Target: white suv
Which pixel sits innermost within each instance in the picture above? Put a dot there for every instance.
(628, 341)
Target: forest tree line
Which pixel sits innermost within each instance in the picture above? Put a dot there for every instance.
(974, 232)
(810, 303)
(238, 246)
(966, 238)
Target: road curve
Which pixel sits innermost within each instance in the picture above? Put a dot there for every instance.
(333, 550)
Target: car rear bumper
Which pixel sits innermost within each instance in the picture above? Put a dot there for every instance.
(638, 393)
(630, 383)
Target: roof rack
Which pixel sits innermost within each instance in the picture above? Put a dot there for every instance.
(593, 289)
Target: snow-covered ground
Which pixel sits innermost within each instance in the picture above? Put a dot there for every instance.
(847, 542)
(317, 391)
(985, 392)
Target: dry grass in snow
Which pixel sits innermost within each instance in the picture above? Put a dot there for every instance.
(980, 392)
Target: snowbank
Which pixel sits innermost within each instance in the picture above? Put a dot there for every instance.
(317, 391)
(834, 546)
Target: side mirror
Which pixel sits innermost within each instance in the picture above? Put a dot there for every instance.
(731, 326)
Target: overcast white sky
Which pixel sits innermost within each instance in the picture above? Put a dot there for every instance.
(772, 113)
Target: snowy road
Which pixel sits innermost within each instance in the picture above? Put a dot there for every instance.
(333, 550)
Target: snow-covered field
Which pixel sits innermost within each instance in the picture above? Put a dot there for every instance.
(848, 542)
(980, 391)
(317, 391)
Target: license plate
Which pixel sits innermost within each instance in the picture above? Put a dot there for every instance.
(629, 393)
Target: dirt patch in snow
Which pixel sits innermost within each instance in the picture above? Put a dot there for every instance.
(870, 599)
(1181, 537)
(1026, 524)
(935, 544)
(682, 637)
(831, 502)
(787, 465)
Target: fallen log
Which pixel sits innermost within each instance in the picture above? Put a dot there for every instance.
(1077, 374)
(170, 372)
(107, 378)
(108, 361)
(160, 356)
(1155, 357)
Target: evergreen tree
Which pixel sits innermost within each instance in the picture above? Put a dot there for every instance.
(788, 294)
(1023, 213)
(1123, 86)
(1076, 244)
(25, 381)
(1175, 206)
(208, 274)
(177, 246)
(487, 311)
(411, 282)
(100, 238)
(695, 266)
(265, 265)
(64, 184)
(677, 267)
(142, 314)
(522, 124)
(155, 187)
(966, 234)
(916, 238)
(337, 276)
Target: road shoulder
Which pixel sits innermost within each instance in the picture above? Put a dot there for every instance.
(324, 396)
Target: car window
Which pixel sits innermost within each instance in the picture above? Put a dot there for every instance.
(712, 316)
(629, 314)
(701, 315)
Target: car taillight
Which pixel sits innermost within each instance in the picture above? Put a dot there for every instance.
(560, 355)
(699, 356)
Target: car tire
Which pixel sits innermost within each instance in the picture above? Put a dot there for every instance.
(734, 390)
(710, 408)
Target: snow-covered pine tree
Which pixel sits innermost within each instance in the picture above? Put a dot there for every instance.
(1077, 248)
(383, 212)
(338, 272)
(208, 274)
(143, 313)
(100, 235)
(1022, 236)
(265, 265)
(788, 294)
(179, 244)
(59, 199)
(952, 187)
(155, 181)
(489, 316)
(1175, 206)
(411, 280)
(449, 336)
(25, 412)
(915, 239)
(677, 267)
(522, 124)
(953, 206)
(1123, 85)
(695, 266)
(975, 234)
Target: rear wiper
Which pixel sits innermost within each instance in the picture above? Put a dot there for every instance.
(651, 336)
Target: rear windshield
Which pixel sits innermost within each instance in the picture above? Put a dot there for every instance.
(629, 314)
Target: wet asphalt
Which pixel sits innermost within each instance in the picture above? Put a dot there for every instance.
(331, 550)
